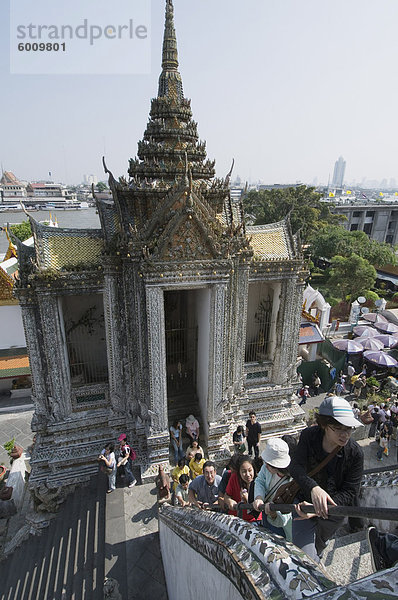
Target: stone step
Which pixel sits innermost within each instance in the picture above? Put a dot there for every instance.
(67, 560)
(347, 558)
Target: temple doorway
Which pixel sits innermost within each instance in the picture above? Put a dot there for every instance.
(187, 352)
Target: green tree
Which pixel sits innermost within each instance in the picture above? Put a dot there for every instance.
(307, 212)
(335, 240)
(101, 186)
(22, 230)
(351, 276)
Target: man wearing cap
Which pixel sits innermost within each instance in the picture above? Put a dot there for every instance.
(272, 475)
(337, 483)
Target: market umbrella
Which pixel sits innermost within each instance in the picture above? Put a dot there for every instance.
(387, 327)
(350, 346)
(375, 318)
(380, 358)
(389, 341)
(370, 343)
(364, 331)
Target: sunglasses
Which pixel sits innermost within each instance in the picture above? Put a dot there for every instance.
(341, 429)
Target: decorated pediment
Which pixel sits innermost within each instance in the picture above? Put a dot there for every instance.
(185, 238)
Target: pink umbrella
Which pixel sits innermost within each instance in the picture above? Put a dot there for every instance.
(364, 331)
(350, 346)
(387, 327)
(380, 358)
(374, 318)
(370, 343)
(389, 341)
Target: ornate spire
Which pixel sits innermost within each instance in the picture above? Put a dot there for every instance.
(170, 82)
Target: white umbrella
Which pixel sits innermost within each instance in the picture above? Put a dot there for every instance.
(380, 358)
(364, 331)
(370, 343)
(350, 346)
(389, 341)
(387, 327)
(374, 318)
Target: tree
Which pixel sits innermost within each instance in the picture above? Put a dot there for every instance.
(22, 230)
(351, 276)
(101, 186)
(335, 240)
(307, 212)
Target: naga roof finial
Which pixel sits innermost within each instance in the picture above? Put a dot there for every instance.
(170, 83)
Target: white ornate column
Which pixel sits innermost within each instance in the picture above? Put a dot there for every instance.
(113, 324)
(216, 350)
(157, 358)
(58, 367)
(287, 328)
(32, 328)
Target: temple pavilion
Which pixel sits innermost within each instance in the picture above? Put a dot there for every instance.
(174, 306)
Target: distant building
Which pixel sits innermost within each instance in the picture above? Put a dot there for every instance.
(379, 221)
(90, 179)
(11, 187)
(338, 173)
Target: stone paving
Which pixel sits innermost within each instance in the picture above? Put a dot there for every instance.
(132, 515)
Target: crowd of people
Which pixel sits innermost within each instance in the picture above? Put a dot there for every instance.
(325, 463)
(249, 478)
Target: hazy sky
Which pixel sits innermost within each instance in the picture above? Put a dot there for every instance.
(283, 86)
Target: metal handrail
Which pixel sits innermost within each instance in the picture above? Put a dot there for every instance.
(366, 512)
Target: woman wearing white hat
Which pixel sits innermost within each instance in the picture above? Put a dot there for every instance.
(337, 483)
(272, 475)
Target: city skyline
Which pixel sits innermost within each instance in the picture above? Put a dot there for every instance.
(273, 86)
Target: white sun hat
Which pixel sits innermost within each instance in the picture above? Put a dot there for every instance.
(276, 453)
(340, 410)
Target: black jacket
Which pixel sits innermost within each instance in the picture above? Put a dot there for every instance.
(340, 478)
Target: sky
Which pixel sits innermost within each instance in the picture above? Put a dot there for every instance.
(282, 86)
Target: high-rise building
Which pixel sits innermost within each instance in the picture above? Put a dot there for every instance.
(338, 173)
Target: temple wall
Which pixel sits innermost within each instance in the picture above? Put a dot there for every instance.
(236, 559)
(182, 564)
(12, 331)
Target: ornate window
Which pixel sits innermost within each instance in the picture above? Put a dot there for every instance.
(259, 324)
(84, 333)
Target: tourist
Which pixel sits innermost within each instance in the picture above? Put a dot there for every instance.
(180, 469)
(107, 457)
(253, 434)
(192, 428)
(356, 410)
(359, 385)
(238, 438)
(203, 491)
(196, 465)
(337, 482)
(176, 440)
(383, 549)
(181, 493)
(385, 436)
(304, 393)
(126, 456)
(240, 488)
(374, 426)
(316, 382)
(272, 475)
(231, 467)
(192, 450)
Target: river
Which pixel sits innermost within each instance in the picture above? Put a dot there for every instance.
(80, 219)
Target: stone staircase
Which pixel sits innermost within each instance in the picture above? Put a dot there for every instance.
(346, 558)
(67, 560)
